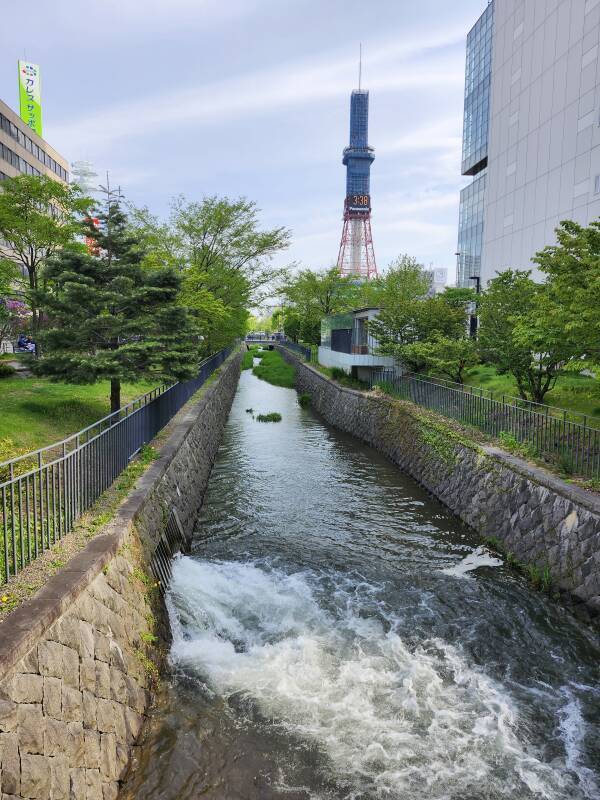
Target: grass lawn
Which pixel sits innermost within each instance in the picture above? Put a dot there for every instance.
(275, 370)
(573, 392)
(35, 412)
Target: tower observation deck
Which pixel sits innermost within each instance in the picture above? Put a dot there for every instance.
(356, 256)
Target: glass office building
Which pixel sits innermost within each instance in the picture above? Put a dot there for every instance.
(470, 231)
(478, 74)
(475, 147)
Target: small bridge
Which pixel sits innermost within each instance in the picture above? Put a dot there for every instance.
(269, 344)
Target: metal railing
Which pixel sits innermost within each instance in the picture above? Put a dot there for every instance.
(301, 349)
(308, 352)
(43, 493)
(554, 434)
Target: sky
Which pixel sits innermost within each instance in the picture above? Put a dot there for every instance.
(251, 98)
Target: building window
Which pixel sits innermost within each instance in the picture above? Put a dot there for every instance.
(11, 129)
(477, 93)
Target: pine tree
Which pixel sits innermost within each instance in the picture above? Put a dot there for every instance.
(111, 317)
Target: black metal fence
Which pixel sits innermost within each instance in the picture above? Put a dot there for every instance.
(309, 353)
(43, 493)
(301, 349)
(556, 435)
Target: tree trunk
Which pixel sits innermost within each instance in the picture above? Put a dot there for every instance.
(35, 317)
(115, 395)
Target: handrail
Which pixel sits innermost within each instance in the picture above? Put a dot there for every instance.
(466, 388)
(156, 392)
(572, 444)
(41, 505)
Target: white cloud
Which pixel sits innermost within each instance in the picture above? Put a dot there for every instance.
(263, 91)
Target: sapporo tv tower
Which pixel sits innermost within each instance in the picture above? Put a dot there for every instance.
(357, 257)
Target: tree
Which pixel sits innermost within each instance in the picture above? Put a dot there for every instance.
(571, 301)
(511, 339)
(411, 325)
(310, 296)
(39, 216)
(404, 286)
(224, 257)
(443, 356)
(13, 317)
(113, 318)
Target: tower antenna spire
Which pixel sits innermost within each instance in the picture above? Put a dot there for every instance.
(359, 64)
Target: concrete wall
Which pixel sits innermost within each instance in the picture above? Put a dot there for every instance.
(544, 142)
(345, 361)
(76, 669)
(541, 519)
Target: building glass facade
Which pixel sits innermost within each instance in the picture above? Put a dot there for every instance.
(478, 73)
(470, 231)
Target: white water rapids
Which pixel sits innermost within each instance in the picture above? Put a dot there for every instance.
(392, 720)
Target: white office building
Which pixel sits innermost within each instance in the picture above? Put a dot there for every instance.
(541, 138)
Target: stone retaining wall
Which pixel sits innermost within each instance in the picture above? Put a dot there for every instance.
(75, 672)
(541, 519)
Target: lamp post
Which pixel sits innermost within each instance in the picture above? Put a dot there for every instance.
(473, 318)
(458, 255)
(477, 280)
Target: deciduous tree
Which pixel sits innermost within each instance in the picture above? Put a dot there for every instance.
(511, 339)
(39, 217)
(443, 356)
(311, 295)
(570, 304)
(225, 259)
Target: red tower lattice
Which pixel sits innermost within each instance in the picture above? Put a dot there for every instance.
(357, 256)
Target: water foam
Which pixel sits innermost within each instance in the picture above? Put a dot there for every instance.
(319, 656)
(480, 557)
(572, 728)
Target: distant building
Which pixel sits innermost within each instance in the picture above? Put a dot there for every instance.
(438, 280)
(531, 131)
(23, 152)
(347, 344)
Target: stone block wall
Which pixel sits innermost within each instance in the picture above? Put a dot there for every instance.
(75, 673)
(71, 708)
(541, 519)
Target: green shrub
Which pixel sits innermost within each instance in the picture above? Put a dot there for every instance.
(7, 371)
(304, 400)
(337, 373)
(247, 360)
(272, 416)
(513, 445)
(565, 462)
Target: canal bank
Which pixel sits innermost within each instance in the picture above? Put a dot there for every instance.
(338, 633)
(543, 521)
(78, 662)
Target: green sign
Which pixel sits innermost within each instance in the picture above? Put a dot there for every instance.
(30, 95)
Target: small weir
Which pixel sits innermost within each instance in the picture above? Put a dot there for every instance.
(337, 634)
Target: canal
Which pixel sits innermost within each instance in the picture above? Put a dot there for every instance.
(338, 634)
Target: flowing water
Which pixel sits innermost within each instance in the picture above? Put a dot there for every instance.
(338, 634)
